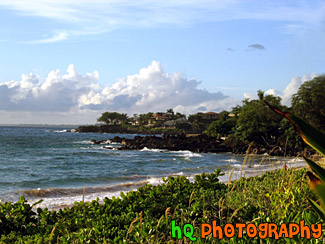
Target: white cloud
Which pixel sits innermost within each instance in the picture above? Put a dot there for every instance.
(88, 17)
(250, 96)
(71, 95)
(57, 93)
(58, 36)
(287, 92)
(293, 87)
(152, 89)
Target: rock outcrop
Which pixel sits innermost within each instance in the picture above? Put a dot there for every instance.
(200, 144)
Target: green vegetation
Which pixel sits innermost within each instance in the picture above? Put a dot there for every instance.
(113, 118)
(223, 126)
(309, 102)
(145, 215)
(160, 122)
(316, 139)
(252, 122)
(256, 123)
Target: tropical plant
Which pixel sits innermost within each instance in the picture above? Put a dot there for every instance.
(316, 139)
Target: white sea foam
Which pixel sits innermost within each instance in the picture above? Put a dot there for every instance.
(236, 165)
(109, 148)
(60, 131)
(83, 142)
(55, 198)
(232, 160)
(61, 202)
(115, 143)
(187, 154)
(145, 149)
(296, 160)
(155, 181)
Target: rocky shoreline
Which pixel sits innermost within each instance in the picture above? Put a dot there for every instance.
(198, 143)
(175, 141)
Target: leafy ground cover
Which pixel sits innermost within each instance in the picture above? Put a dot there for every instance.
(145, 215)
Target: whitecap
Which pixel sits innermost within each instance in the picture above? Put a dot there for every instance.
(145, 149)
(155, 181)
(187, 154)
(83, 142)
(60, 131)
(237, 165)
(232, 160)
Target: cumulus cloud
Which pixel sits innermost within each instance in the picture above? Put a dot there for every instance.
(256, 47)
(292, 88)
(151, 89)
(287, 92)
(57, 93)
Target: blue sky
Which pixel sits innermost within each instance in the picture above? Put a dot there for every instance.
(68, 61)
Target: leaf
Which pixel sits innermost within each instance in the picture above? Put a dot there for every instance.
(312, 136)
(320, 190)
(317, 208)
(316, 168)
(38, 202)
(313, 179)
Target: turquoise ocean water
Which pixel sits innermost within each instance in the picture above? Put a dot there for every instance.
(55, 165)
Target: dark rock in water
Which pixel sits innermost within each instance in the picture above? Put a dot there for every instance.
(194, 143)
(88, 129)
(117, 139)
(98, 142)
(108, 147)
(200, 144)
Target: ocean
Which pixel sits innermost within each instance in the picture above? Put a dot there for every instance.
(56, 166)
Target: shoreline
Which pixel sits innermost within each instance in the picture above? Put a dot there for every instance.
(231, 175)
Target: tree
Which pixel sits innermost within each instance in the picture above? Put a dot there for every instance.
(179, 115)
(223, 126)
(150, 115)
(197, 121)
(309, 102)
(123, 118)
(289, 138)
(144, 118)
(256, 123)
(170, 113)
(113, 118)
(260, 94)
